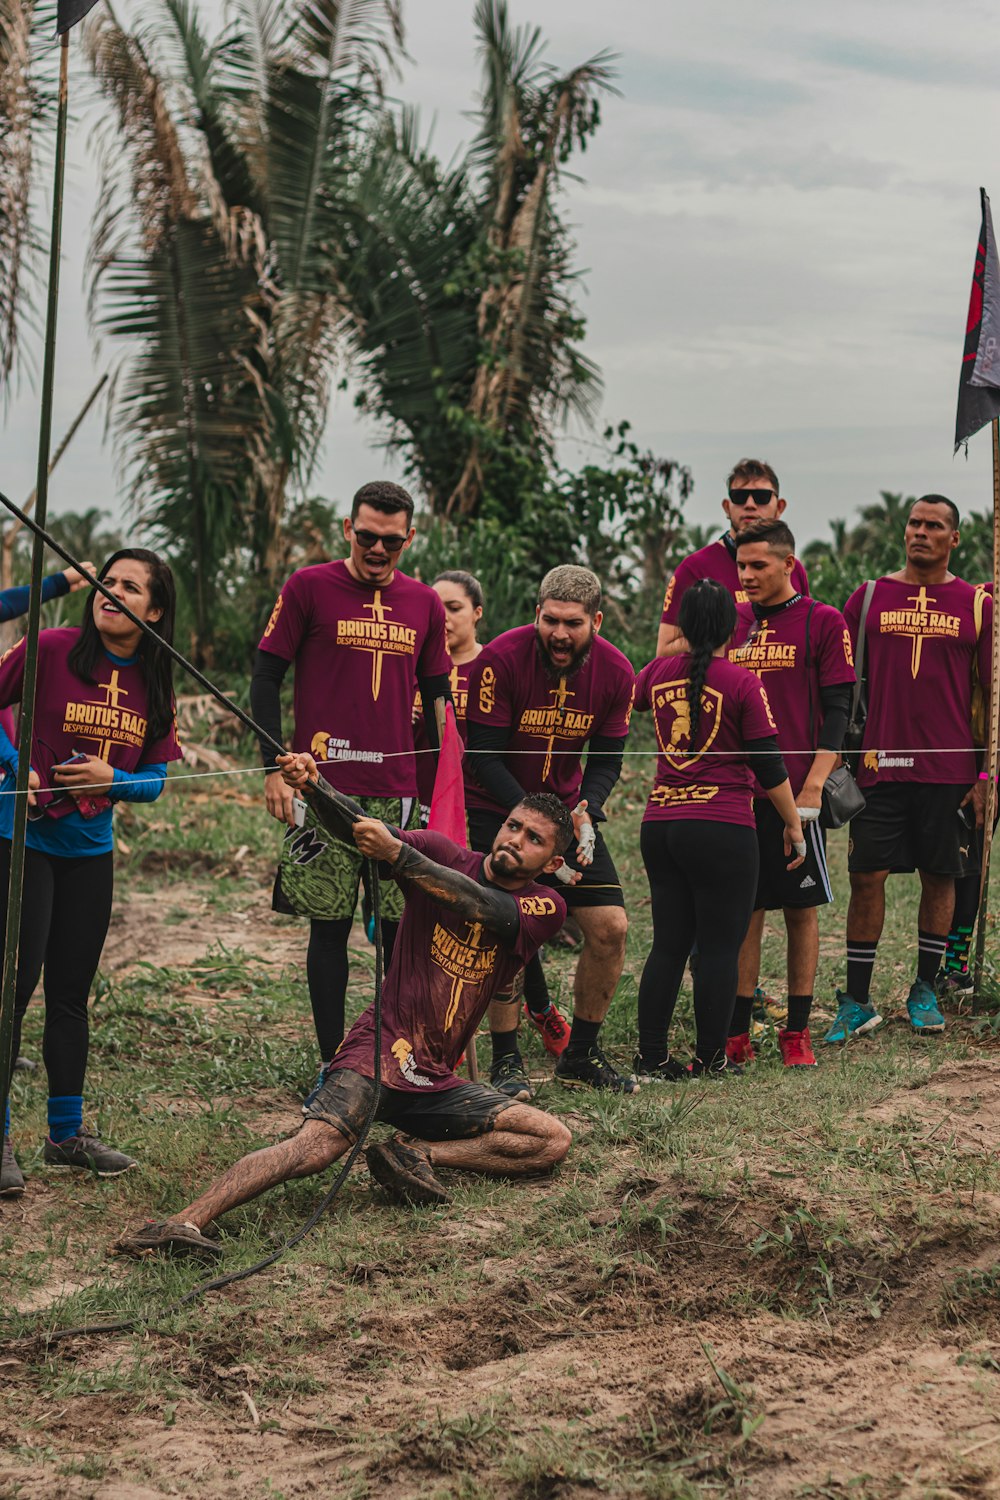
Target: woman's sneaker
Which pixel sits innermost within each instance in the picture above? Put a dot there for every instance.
(739, 1049)
(86, 1153)
(796, 1049)
(852, 1019)
(553, 1026)
(11, 1180)
(667, 1071)
(720, 1067)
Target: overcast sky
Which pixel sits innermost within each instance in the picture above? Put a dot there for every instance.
(778, 221)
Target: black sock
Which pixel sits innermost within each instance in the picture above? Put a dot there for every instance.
(860, 963)
(583, 1035)
(742, 1010)
(536, 991)
(799, 1007)
(504, 1045)
(930, 953)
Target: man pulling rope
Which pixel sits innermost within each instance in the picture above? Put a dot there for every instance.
(470, 924)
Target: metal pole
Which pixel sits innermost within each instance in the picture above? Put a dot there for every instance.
(16, 877)
(993, 737)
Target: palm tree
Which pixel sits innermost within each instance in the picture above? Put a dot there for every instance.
(224, 201)
(460, 281)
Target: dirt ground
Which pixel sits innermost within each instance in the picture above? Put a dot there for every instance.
(881, 1390)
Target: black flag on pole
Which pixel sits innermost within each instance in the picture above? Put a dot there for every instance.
(71, 11)
(979, 384)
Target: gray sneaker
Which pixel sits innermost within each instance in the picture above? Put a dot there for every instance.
(87, 1154)
(508, 1077)
(11, 1181)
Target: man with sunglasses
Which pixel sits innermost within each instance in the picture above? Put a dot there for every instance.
(752, 497)
(362, 637)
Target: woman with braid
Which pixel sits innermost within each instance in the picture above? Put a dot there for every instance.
(715, 731)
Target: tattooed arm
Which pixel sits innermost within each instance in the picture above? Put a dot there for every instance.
(496, 909)
(337, 813)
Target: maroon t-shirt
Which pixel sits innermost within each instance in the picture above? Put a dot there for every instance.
(714, 561)
(357, 652)
(106, 717)
(443, 975)
(549, 719)
(734, 709)
(775, 650)
(426, 764)
(920, 644)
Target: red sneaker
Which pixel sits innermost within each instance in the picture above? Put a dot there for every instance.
(739, 1049)
(796, 1049)
(553, 1026)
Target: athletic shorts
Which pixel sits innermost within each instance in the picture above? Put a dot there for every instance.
(344, 1099)
(319, 877)
(906, 826)
(777, 885)
(600, 885)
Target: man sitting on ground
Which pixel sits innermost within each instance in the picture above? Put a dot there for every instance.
(470, 924)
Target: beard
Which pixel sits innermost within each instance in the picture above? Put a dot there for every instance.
(553, 672)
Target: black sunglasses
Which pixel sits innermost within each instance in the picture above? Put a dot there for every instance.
(751, 497)
(366, 540)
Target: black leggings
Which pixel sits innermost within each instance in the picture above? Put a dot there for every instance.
(702, 881)
(327, 970)
(64, 921)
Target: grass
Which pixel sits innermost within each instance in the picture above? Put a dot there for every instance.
(464, 1351)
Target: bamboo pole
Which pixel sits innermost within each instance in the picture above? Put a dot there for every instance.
(993, 736)
(16, 877)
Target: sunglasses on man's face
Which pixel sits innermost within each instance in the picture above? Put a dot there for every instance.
(366, 540)
(751, 497)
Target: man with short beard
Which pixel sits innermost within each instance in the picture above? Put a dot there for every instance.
(537, 695)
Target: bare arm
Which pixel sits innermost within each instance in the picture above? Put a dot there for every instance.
(670, 642)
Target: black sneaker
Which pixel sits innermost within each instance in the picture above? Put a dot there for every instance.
(404, 1169)
(172, 1235)
(87, 1154)
(11, 1180)
(667, 1071)
(721, 1067)
(591, 1070)
(508, 1077)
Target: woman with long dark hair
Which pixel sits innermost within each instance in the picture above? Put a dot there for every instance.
(103, 733)
(698, 839)
(461, 594)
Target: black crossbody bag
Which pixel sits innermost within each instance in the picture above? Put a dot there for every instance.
(843, 799)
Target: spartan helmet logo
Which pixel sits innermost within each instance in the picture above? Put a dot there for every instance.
(320, 745)
(672, 717)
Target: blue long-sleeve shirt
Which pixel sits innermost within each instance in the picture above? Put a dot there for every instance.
(14, 602)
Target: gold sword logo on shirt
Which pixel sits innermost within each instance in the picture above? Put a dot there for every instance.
(559, 696)
(379, 612)
(101, 733)
(922, 602)
(458, 983)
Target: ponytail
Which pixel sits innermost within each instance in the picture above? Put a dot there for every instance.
(707, 619)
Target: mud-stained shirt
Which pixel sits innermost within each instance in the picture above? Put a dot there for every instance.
(443, 975)
(712, 778)
(358, 651)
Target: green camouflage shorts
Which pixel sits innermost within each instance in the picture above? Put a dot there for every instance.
(319, 877)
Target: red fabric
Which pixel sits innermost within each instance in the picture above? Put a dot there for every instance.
(448, 801)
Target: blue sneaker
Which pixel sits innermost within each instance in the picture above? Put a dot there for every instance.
(922, 1007)
(851, 1019)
